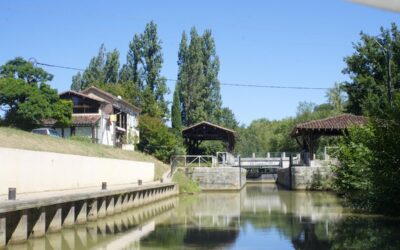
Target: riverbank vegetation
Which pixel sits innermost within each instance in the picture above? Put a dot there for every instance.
(186, 185)
(369, 156)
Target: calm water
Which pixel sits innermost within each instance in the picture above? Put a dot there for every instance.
(259, 217)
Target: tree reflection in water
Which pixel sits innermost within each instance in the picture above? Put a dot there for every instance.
(307, 220)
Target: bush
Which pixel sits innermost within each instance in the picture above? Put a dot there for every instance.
(157, 140)
(186, 185)
(369, 170)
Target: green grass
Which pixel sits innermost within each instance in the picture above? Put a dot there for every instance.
(186, 185)
(14, 138)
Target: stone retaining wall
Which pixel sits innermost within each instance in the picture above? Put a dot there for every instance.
(304, 177)
(219, 178)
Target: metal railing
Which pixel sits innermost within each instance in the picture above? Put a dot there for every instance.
(190, 161)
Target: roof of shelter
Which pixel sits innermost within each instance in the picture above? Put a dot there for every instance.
(208, 124)
(204, 131)
(329, 126)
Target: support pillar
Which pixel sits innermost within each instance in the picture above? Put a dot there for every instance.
(37, 223)
(110, 205)
(2, 231)
(101, 207)
(118, 203)
(125, 202)
(80, 212)
(53, 218)
(17, 227)
(130, 200)
(92, 210)
(68, 214)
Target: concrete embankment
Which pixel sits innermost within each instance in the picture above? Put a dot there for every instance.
(303, 177)
(59, 190)
(33, 216)
(219, 178)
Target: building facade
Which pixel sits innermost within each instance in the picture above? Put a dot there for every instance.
(101, 117)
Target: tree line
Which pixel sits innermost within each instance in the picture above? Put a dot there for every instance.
(27, 99)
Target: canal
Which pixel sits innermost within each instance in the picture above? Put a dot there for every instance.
(259, 217)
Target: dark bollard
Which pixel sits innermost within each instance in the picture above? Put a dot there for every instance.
(139, 182)
(161, 180)
(12, 193)
(103, 185)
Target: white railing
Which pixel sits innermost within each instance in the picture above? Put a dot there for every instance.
(194, 161)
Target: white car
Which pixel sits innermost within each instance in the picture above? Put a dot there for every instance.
(46, 131)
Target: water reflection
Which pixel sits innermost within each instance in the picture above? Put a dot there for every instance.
(258, 217)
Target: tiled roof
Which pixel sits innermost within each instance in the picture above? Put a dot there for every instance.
(92, 91)
(84, 119)
(339, 122)
(71, 92)
(77, 120)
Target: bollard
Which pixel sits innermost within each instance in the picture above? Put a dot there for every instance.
(139, 182)
(104, 185)
(12, 193)
(161, 180)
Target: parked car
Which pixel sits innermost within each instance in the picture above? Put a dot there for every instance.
(46, 131)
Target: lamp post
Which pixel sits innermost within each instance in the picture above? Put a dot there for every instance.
(388, 54)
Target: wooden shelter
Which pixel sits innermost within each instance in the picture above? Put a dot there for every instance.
(204, 131)
(307, 133)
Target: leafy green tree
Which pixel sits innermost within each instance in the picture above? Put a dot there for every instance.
(156, 139)
(176, 112)
(191, 79)
(198, 84)
(155, 87)
(19, 68)
(336, 97)
(102, 68)
(111, 67)
(131, 70)
(369, 155)
(27, 99)
(369, 71)
(212, 93)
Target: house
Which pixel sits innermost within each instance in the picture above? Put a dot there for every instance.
(102, 117)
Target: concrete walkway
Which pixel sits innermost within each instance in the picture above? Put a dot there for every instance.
(28, 200)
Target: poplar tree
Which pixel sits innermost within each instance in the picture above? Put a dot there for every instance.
(103, 68)
(176, 111)
(111, 67)
(155, 86)
(192, 80)
(198, 82)
(212, 93)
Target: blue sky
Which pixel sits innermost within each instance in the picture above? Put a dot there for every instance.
(279, 42)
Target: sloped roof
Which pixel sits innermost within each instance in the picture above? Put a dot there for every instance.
(85, 119)
(71, 92)
(209, 131)
(208, 124)
(92, 90)
(78, 120)
(334, 124)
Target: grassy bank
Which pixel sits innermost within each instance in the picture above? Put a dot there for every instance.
(14, 138)
(186, 185)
